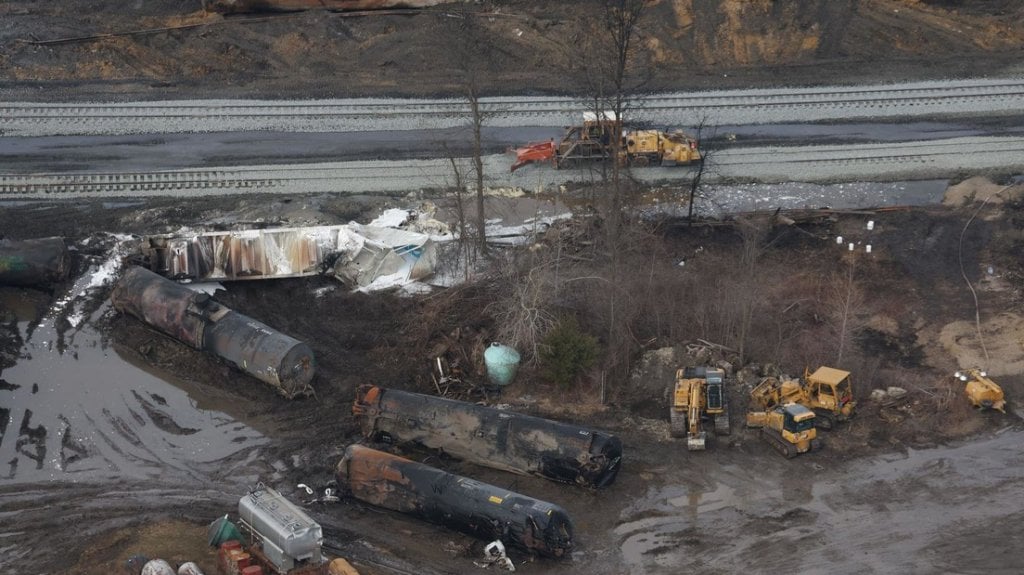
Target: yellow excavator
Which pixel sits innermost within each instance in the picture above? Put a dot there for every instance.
(593, 140)
(827, 392)
(981, 390)
(788, 428)
(699, 395)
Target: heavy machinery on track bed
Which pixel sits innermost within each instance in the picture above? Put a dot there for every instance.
(594, 141)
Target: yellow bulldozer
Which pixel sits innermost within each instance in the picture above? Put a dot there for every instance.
(981, 390)
(698, 396)
(827, 392)
(593, 141)
(788, 428)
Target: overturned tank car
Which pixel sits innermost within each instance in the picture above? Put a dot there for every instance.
(200, 322)
(456, 502)
(490, 437)
(39, 262)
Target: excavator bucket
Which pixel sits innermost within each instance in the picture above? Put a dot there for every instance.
(534, 152)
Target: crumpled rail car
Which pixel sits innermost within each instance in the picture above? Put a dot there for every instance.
(356, 254)
(456, 502)
(198, 321)
(490, 437)
(39, 262)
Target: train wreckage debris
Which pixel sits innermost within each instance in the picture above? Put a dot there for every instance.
(33, 263)
(355, 254)
(490, 437)
(198, 321)
(456, 502)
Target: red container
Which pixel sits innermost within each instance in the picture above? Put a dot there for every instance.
(224, 555)
(238, 560)
(252, 570)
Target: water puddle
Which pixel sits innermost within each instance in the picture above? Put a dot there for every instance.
(883, 514)
(72, 409)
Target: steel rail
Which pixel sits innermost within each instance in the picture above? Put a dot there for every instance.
(404, 175)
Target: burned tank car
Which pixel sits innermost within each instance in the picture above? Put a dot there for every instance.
(453, 501)
(201, 323)
(37, 263)
(490, 437)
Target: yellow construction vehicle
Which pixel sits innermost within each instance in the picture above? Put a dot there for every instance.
(828, 392)
(593, 141)
(788, 428)
(699, 395)
(982, 391)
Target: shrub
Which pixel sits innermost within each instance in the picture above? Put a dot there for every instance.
(566, 352)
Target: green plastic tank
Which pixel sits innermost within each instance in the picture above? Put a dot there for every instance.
(502, 362)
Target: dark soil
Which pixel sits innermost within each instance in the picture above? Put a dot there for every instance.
(531, 47)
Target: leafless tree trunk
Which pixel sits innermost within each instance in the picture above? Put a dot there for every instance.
(473, 96)
(748, 283)
(466, 245)
(471, 46)
(607, 61)
(702, 165)
(846, 302)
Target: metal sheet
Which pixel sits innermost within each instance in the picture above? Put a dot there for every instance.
(490, 437)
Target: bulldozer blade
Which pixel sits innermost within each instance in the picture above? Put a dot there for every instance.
(533, 152)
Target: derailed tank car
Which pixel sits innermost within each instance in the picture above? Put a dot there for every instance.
(200, 322)
(456, 502)
(40, 262)
(490, 437)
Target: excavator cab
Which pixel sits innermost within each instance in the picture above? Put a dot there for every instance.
(715, 383)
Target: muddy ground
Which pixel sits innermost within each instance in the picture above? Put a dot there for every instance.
(531, 47)
(914, 324)
(169, 439)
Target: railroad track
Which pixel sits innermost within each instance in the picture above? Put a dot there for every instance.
(718, 108)
(936, 158)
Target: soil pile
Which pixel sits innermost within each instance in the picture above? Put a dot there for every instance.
(172, 48)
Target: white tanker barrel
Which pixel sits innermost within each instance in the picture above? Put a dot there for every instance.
(39, 262)
(200, 322)
(288, 536)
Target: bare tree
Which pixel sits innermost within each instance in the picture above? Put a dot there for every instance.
(748, 286)
(844, 300)
(472, 49)
(705, 161)
(608, 60)
(466, 243)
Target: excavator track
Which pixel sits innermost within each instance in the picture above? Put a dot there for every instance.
(676, 423)
(774, 438)
(722, 422)
(824, 419)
